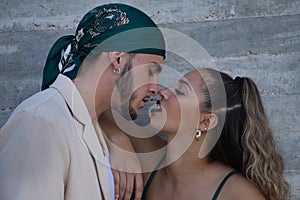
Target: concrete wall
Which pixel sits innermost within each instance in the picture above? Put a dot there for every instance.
(259, 39)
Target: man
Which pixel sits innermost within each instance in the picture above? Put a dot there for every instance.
(52, 146)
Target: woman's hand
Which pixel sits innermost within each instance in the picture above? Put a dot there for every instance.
(126, 169)
(124, 162)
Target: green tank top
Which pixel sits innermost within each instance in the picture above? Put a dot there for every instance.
(223, 183)
(214, 197)
(152, 177)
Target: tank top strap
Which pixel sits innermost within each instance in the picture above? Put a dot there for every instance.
(147, 186)
(223, 183)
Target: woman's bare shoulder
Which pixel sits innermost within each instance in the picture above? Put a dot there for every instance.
(238, 187)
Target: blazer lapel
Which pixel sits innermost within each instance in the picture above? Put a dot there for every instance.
(100, 155)
(92, 136)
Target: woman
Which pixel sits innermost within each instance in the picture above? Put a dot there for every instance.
(244, 162)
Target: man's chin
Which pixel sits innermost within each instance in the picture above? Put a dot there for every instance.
(130, 116)
(132, 113)
(129, 113)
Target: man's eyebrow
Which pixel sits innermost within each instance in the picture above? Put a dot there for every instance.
(158, 68)
(185, 82)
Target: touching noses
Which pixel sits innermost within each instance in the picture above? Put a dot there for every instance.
(164, 93)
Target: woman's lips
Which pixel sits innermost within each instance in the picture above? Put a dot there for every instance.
(156, 107)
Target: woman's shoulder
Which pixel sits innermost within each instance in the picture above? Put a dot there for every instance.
(239, 187)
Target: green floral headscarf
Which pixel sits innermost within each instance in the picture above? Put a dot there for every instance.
(110, 27)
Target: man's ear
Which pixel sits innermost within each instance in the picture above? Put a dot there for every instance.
(115, 58)
(208, 122)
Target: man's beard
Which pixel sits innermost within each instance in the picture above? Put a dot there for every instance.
(125, 86)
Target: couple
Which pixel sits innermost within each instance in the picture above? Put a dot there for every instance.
(230, 150)
(52, 146)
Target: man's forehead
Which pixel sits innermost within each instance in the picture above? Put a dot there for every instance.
(150, 57)
(153, 61)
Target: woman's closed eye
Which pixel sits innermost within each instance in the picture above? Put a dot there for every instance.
(178, 92)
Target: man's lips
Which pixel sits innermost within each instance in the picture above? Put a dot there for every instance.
(155, 103)
(146, 98)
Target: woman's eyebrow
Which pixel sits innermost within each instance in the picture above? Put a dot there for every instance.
(185, 83)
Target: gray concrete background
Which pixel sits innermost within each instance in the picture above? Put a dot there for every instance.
(259, 39)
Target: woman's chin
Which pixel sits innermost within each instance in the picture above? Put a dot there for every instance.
(152, 122)
(157, 118)
(156, 123)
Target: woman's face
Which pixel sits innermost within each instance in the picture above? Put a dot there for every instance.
(179, 106)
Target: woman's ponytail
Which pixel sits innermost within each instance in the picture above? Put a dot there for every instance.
(262, 164)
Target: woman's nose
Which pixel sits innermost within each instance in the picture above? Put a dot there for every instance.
(164, 93)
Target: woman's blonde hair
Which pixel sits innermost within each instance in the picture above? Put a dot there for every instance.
(246, 142)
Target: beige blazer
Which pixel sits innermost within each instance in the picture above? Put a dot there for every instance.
(49, 149)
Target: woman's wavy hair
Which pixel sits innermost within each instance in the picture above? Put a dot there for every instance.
(246, 142)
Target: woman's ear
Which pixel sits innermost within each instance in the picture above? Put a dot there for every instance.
(208, 122)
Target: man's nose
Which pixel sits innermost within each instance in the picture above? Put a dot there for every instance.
(153, 88)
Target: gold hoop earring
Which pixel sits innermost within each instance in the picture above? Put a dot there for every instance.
(198, 134)
(117, 71)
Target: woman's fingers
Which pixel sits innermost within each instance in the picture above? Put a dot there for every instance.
(122, 184)
(116, 183)
(139, 186)
(129, 185)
